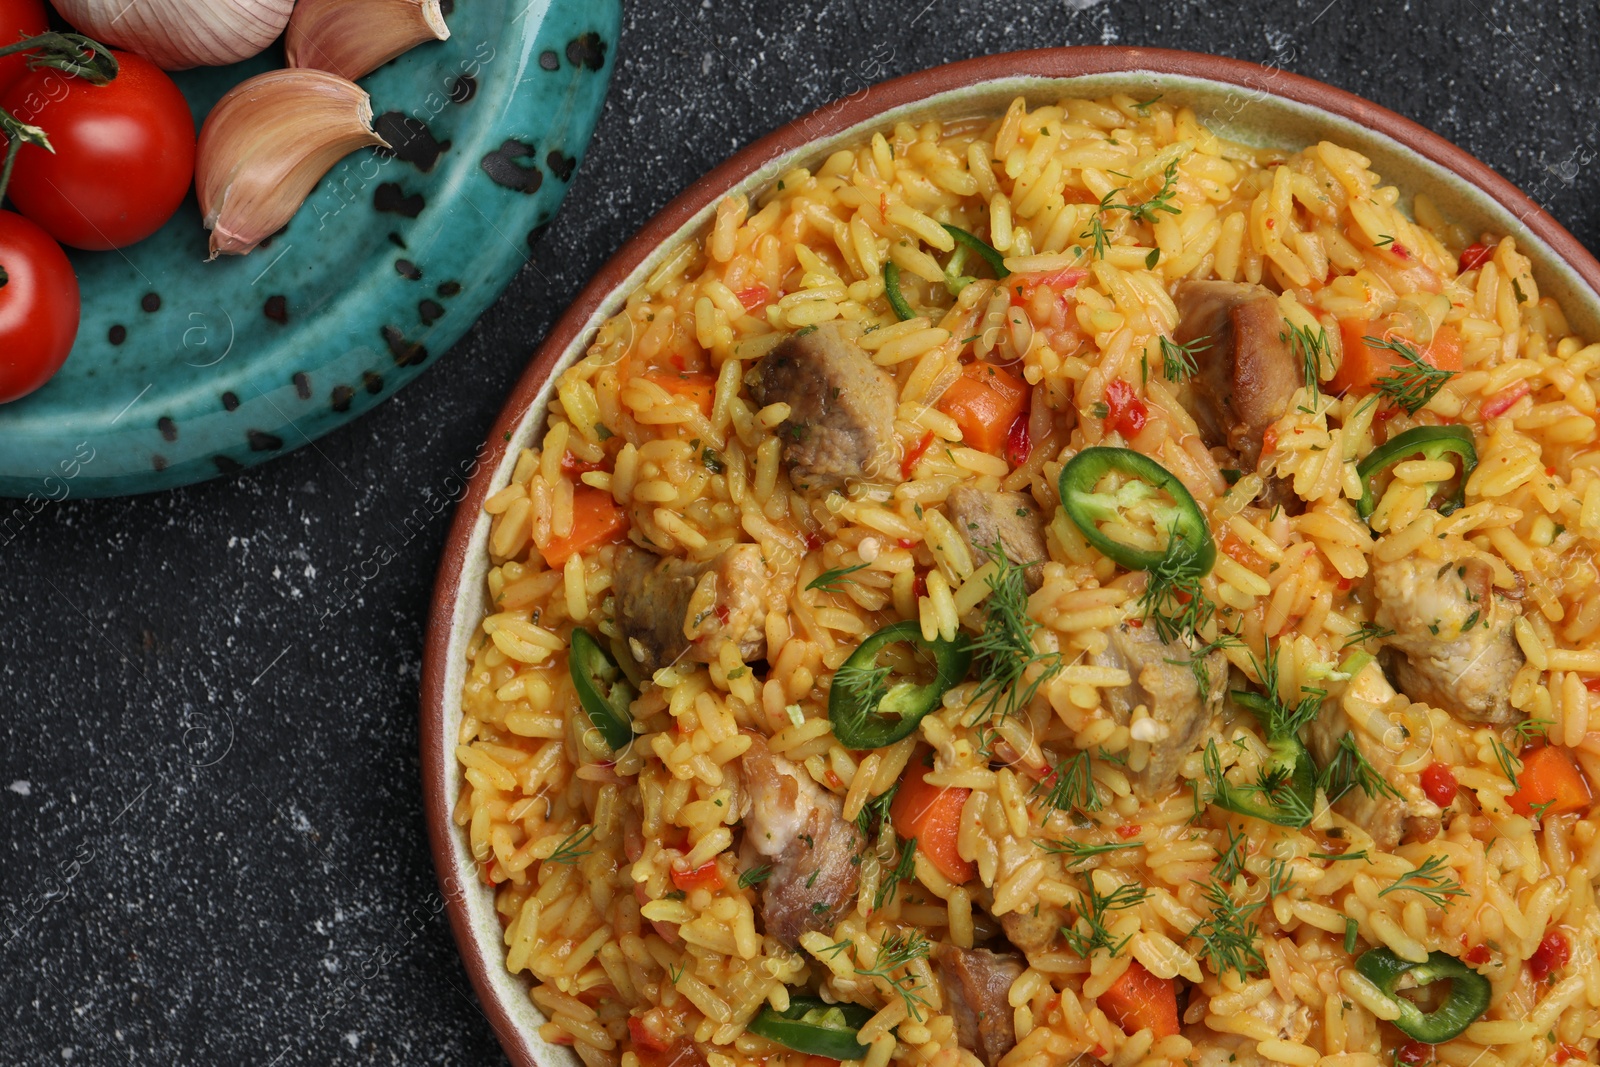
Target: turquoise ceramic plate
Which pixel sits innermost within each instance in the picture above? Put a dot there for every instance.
(184, 369)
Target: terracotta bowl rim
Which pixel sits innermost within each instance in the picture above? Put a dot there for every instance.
(829, 120)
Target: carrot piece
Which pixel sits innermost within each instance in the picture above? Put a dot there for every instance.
(1549, 777)
(596, 520)
(1140, 1001)
(1363, 364)
(701, 389)
(932, 815)
(984, 402)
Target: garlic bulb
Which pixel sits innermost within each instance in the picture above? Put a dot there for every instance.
(179, 34)
(267, 144)
(352, 38)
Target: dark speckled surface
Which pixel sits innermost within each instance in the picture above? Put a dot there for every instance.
(211, 846)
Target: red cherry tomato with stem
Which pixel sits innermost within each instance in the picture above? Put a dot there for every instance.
(39, 307)
(124, 153)
(18, 19)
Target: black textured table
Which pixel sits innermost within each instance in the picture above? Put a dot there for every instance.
(211, 841)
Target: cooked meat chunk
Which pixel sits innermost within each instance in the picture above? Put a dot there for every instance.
(1247, 374)
(1287, 1022)
(1368, 713)
(976, 983)
(841, 408)
(797, 826)
(1165, 685)
(1011, 520)
(1452, 630)
(730, 597)
(1034, 930)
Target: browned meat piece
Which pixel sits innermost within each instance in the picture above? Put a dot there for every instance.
(1163, 682)
(1247, 374)
(798, 827)
(1453, 632)
(1011, 520)
(654, 597)
(841, 408)
(976, 983)
(1034, 930)
(1367, 713)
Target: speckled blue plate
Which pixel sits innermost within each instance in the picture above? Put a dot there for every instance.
(184, 369)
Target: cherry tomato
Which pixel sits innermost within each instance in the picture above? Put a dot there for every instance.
(18, 19)
(1413, 1052)
(1474, 256)
(124, 153)
(38, 307)
(1551, 955)
(1439, 784)
(1126, 413)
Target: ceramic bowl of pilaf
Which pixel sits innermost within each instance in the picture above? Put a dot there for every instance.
(1085, 555)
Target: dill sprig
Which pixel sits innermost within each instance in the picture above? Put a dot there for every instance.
(1073, 786)
(874, 814)
(570, 850)
(835, 580)
(1230, 861)
(896, 951)
(1337, 857)
(1508, 762)
(1004, 654)
(755, 876)
(1079, 853)
(901, 872)
(1092, 909)
(1369, 631)
(1414, 382)
(1173, 597)
(1311, 349)
(1144, 211)
(1228, 934)
(1350, 769)
(1427, 880)
(1273, 789)
(1529, 729)
(1180, 361)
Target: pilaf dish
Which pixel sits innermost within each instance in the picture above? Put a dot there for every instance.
(1054, 586)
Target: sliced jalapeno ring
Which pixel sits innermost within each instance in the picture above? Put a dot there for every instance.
(1286, 793)
(891, 289)
(1185, 524)
(814, 1027)
(984, 249)
(602, 690)
(1431, 442)
(1468, 999)
(868, 712)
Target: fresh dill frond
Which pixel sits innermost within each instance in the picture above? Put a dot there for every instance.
(1312, 352)
(1414, 382)
(902, 872)
(1279, 878)
(1173, 598)
(1228, 934)
(1144, 108)
(1427, 880)
(835, 580)
(1080, 853)
(1146, 210)
(1004, 656)
(675, 974)
(1274, 789)
(1089, 932)
(1073, 786)
(1230, 861)
(1338, 856)
(755, 876)
(1369, 631)
(1180, 361)
(1529, 729)
(874, 814)
(896, 951)
(571, 850)
(864, 685)
(1097, 234)
(1508, 762)
(1349, 769)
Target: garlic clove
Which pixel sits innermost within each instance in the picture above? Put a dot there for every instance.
(353, 38)
(179, 34)
(267, 144)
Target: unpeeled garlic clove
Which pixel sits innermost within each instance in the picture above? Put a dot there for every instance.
(353, 38)
(179, 34)
(267, 144)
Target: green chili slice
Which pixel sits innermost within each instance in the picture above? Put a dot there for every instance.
(1189, 536)
(1286, 790)
(984, 249)
(814, 1027)
(602, 690)
(891, 289)
(867, 712)
(1432, 442)
(1468, 999)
